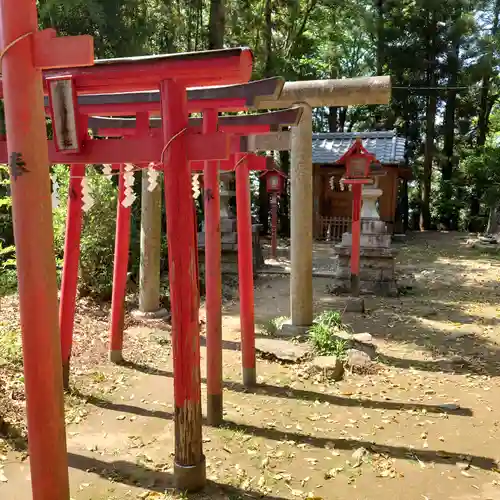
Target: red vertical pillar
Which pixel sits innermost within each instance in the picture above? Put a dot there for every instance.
(245, 272)
(213, 279)
(69, 282)
(122, 244)
(356, 234)
(36, 267)
(189, 462)
(195, 222)
(274, 225)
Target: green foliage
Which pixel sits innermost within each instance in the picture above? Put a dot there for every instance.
(322, 334)
(98, 233)
(331, 319)
(325, 343)
(274, 325)
(10, 346)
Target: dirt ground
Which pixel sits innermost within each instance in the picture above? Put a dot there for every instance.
(424, 427)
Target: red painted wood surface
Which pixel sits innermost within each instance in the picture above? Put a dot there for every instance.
(148, 149)
(122, 244)
(182, 269)
(253, 162)
(36, 267)
(245, 265)
(51, 51)
(213, 281)
(143, 150)
(274, 225)
(130, 76)
(69, 282)
(183, 289)
(197, 265)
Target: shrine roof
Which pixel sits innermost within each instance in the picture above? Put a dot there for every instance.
(388, 148)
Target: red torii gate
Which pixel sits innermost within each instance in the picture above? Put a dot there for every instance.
(26, 51)
(256, 124)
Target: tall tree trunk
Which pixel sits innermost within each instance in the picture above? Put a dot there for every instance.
(216, 24)
(380, 27)
(267, 36)
(492, 220)
(333, 119)
(430, 125)
(342, 119)
(483, 120)
(449, 217)
(425, 214)
(379, 5)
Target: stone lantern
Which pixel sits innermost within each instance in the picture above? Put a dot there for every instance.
(365, 259)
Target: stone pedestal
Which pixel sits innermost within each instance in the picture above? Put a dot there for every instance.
(377, 258)
(229, 237)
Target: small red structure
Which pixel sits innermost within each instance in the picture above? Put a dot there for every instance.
(358, 163)
(275, 184)
(26, 51)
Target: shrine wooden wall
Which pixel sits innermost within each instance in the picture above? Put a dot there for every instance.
(338, 202)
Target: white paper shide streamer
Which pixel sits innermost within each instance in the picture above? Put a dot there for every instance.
(88, 201)
(128, 177)
(196, 186)
(107, 171)
(152, 178)
(55, 192)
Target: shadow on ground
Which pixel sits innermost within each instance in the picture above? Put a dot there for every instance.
(131, 474)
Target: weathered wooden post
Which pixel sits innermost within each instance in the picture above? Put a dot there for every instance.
(189, 466)
(213, 280)
(149, 270)
(310, 94)
(26, 51)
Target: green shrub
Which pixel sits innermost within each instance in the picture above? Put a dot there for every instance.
(325, 342)
(332, 319)
(322, 334)
(274, 325)
(98, 233)
(10, 346)
(8, 275)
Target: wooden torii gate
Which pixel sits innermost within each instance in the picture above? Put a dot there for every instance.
(235, 125)
(311, 94)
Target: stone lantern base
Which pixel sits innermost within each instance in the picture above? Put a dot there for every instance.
(229, 243)
(377, 261)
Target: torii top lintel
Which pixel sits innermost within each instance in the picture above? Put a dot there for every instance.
(133, 74)
(342, 92)
(223, 98)
(143, 147)
(263, 122)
